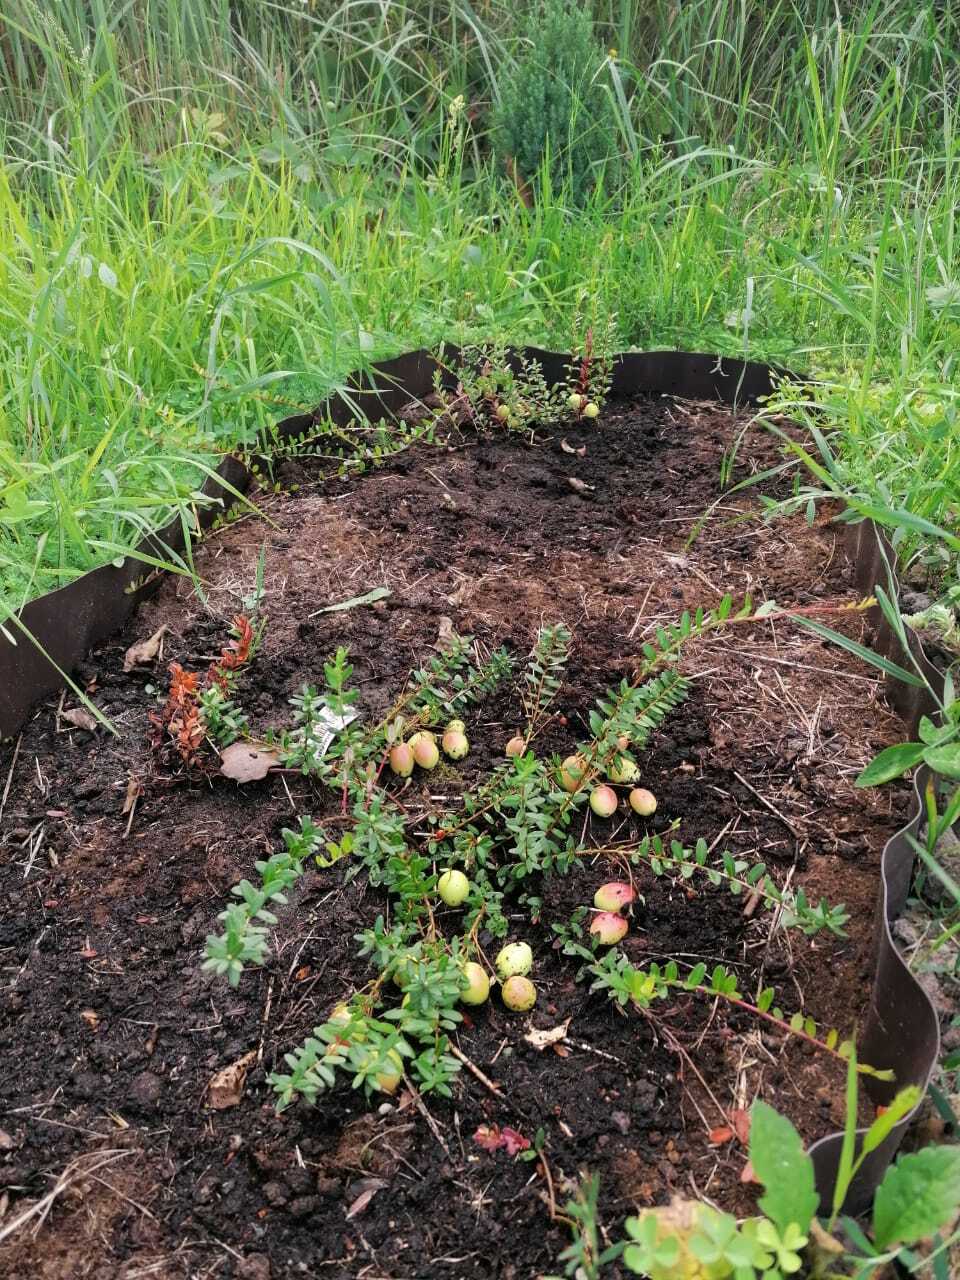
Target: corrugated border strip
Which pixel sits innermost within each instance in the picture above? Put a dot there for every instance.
(901, 1031)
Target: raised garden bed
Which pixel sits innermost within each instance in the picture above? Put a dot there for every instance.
(118, 860)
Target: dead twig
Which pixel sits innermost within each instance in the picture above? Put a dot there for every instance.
(13, 765)
(431, 1123)
(475, 1070)
(768, 805)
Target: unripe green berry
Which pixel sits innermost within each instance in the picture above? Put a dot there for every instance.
(389, 1077)
(571, 772)
(608, 927)
(476, 987)
(425, 751)
(613, 896)
(453, 887)
(624, 771)
(515, 959)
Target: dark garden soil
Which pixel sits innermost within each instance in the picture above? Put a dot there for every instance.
(111, 1030)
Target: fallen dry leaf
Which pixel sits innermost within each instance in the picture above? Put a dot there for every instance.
(79, 718)
(91, 1018)
(747, 1174)
(723, 1133)
(144, 651)
(370, 1188)
(226, 1086)
(580, 486)
(568, 448)
(552, 1035)
(248, 761)
(445, 634)
(133, 790)
(740, 1119)
(461, 592)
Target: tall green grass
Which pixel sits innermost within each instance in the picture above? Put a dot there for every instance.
(206, 206)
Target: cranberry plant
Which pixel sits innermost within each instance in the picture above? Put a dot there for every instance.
(501, 843)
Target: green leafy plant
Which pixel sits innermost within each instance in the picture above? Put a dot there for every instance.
(740, 877)
(919, 1195)
(642, 988)
(543, 675)
(449, 683)
(503, 387)
(222, 719)
(495, 388)
(508, 836)
(556, 115)
(243, 940)
(584, 1257)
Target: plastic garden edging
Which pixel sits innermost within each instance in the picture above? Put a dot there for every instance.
(901, 1031)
